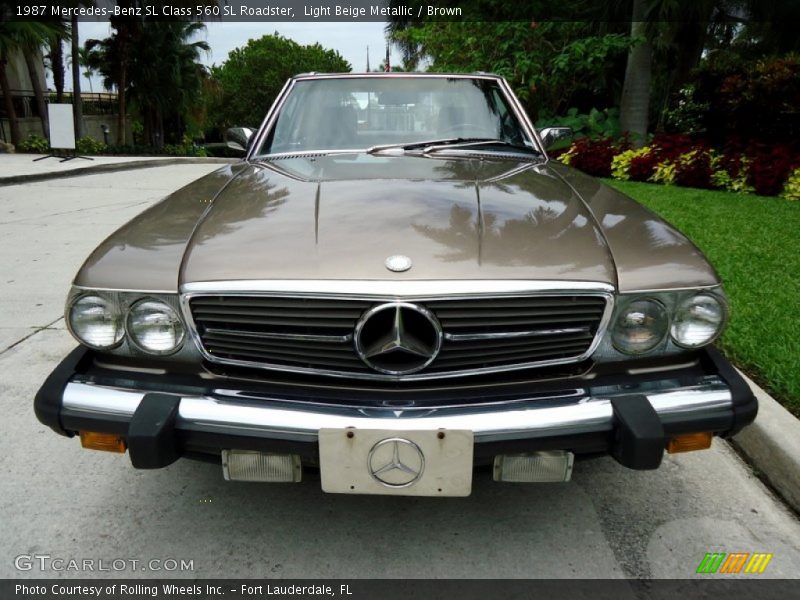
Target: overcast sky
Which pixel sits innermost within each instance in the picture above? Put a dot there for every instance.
(349, 39)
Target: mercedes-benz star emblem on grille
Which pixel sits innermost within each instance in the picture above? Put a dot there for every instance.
(398, 338)
(398, 263)
(396, 462)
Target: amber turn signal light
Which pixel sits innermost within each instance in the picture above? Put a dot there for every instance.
(103, 441)
(689, 442)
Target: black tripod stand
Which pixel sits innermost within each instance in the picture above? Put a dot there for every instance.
(63, 157)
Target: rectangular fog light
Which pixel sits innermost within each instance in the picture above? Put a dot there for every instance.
(535, 467)
(250, 465)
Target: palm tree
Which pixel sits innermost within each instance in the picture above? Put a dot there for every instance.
(77, 100)
(55, 60)
(163, 78)
(21, 36)
(635, 102)
(679, 28)
(110, 58)
(32, 43)
(88, 73)
(31, 51)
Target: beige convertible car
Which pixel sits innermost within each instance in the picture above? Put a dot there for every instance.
(395, 287)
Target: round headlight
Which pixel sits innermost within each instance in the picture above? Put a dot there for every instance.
(96, 322)
(640, 327)
(698, 321)
(155, 327)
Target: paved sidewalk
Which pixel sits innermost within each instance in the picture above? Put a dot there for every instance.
(22, 168)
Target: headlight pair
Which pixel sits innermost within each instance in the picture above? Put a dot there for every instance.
(644, 323)
(151, 325)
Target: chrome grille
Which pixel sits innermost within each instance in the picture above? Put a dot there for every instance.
(303, 332)
(316, 334)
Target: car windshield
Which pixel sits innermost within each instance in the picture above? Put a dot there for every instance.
(357, 113)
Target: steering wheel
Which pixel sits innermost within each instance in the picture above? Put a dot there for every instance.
(459, 127)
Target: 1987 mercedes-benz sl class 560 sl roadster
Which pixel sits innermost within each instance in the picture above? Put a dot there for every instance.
(395, 286)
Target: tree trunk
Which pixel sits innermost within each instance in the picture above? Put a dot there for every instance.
(635, 103)
(13, 125)
(77, 101)
(57, 64)
(38, 92)
(122, 108)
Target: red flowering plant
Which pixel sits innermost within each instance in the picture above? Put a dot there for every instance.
(593, 156)
(676, 159)
(643, 166)
(770, 167)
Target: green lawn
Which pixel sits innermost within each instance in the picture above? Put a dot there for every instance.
(754, 243)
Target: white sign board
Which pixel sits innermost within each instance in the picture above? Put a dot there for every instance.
(62, 126)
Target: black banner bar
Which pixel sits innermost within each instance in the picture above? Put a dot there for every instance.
(343, 10)
(405, 589)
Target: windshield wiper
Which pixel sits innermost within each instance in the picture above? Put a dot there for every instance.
(482, 142)
(448, 144)
(415, 145)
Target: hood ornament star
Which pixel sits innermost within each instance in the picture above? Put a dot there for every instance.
(398, 263)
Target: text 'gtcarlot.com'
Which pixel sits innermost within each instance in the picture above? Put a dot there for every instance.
(46, 562)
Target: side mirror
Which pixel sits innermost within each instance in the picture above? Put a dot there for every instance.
(551, 135)
(239, 138)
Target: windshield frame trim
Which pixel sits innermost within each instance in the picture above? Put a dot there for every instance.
(272, 114)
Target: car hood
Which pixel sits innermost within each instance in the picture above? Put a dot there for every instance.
(340, 217)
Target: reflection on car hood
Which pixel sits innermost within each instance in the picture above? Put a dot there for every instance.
(340, 217)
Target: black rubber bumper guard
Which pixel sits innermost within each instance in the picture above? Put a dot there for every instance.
(638, 440)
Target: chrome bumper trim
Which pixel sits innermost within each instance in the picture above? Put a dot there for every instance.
(540, 417)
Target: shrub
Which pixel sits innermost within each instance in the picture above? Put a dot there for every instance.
(132, 149)
(186, 149)
(679, 160)
(89, 145)
(594, 124)
(730, 173)
(34, 143)
(664, 150)
(791, 191)
(643, 166)
(664, 173)
(755, 99)
(592, 156)
(621, 163)
(693, 169)
(770, 168)
(688, 115)
(668, 147)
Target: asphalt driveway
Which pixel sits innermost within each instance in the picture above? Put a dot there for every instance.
(64, 502)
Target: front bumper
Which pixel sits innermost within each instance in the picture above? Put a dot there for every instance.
(630, 417)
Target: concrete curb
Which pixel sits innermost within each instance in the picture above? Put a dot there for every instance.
(112, 167)
(772, 445)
